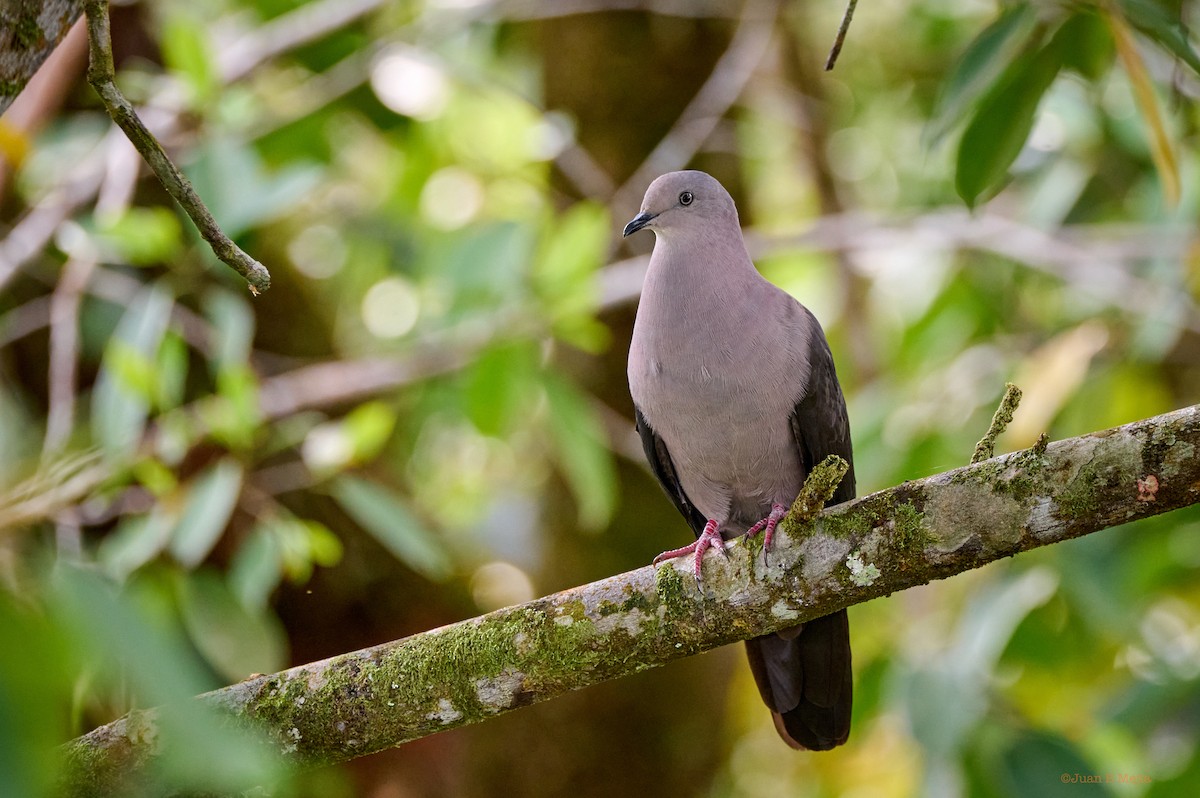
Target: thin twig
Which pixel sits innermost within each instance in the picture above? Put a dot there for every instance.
(986, 448)
(102, 76)
(812, 116)
(841, 35)
(53, 488)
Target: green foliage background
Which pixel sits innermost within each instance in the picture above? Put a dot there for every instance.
(427, 418)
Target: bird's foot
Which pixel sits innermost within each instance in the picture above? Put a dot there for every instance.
(709, 537)
(778, 511)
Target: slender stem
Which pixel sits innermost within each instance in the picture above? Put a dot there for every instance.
(841, 35)
(102, 75)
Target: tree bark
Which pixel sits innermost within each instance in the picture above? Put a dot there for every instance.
(29, 32)
(386, 695)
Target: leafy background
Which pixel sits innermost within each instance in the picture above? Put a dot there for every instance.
(426, 417)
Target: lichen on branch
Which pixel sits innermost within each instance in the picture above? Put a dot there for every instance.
(1003, 416)
(380, 697)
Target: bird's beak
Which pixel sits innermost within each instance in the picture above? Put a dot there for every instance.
(638, 222)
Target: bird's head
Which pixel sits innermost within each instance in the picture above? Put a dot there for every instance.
(684, 201)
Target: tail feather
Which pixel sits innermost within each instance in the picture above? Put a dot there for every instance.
(804, 677)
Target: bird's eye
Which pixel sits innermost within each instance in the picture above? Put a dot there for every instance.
(685, 198)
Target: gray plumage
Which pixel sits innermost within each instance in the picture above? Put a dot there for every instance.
(737, 399)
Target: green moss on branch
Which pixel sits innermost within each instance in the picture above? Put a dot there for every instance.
(383, 696)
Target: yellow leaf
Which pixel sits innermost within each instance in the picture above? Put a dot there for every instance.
(14, 144)
(1143, 92)
(1050, 376)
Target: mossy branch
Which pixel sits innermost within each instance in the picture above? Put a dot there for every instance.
(1000, 421)
(29, 32)
(380, 697)
(102, 76)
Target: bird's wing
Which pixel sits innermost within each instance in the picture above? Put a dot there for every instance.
(664, 471)
(819, 422)
(803, 673)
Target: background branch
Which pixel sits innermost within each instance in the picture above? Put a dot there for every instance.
(729, 77)
(357, 703)
(102, 77)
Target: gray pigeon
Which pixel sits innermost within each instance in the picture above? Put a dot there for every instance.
(737, 399)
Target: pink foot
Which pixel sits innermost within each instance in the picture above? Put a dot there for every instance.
(709, 537)
(778, 511)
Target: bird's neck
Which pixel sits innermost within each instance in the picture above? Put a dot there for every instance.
(703, 279)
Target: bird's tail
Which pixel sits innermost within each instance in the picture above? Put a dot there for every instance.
(804, 676)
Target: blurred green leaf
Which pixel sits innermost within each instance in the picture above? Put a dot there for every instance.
(482, 265)
(233, 325)
(500, 384)
(133, 370)
(154, 476)
(35, 681)
(379, 512)
(304, 543)
(235, 185)
(170, 373)
(352, 440)
(564, 277)
(256, 568)
(210, 499)
(177, 431)
(324, 546)
(368, 428)
(1087, 45)
(979, 67)
(133, 645)
(1154, 20)
(129, 634)
(119, 408)
(493, 130)
(136, 541)
(233, 416)
(1045, 764)
(235, 640)
(993, 614)
(186, 51)
(943, 706)
(997, 132)
(143, 236)
(582, 450)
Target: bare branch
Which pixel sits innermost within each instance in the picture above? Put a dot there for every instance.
(102, 77)
(380, 697)
(1098, 260)
(729, 77)
(840, 39)
(289, 31)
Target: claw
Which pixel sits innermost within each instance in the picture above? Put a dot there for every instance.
(710, 537)
(778, 511)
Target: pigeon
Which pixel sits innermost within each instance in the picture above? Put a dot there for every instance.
(736, 399)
